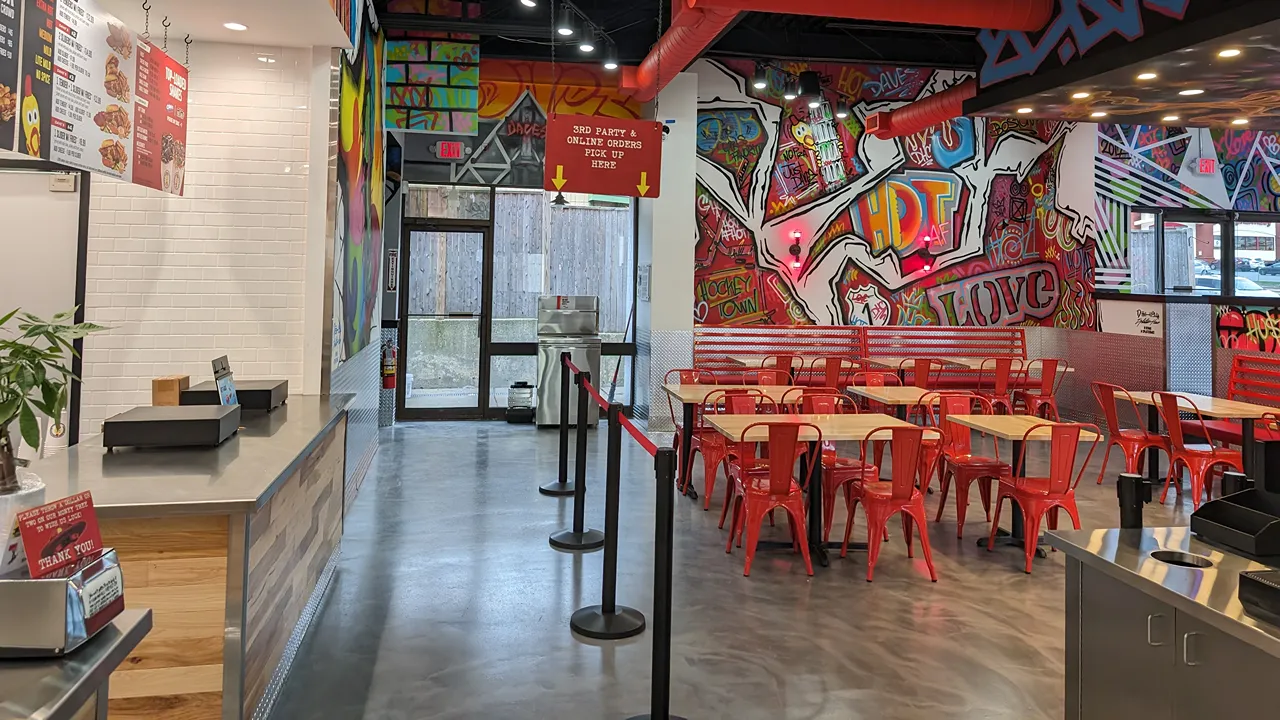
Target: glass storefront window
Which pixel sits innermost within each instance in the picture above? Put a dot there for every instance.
(1142, 253)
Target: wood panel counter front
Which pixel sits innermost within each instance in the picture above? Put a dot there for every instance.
(226, 545)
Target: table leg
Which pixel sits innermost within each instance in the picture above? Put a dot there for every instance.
(1153, 454)
(1016, 538)
(1248, 448)
(817, 549)
(686, 453)
(902, 413)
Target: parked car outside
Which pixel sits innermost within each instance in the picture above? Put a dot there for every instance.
(1270, 269)
(1212, 284)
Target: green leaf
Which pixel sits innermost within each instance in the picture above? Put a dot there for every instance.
(9, 410)
(7, 318)
(29, 426)
(50, 392)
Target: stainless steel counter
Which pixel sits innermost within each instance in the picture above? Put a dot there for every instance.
(238, 476)
(59, 689)
(1209, 594)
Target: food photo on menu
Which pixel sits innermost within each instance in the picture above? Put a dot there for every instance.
(173, 164)
(120, 40)
(114, 120)
(8, 103)
(115, 81)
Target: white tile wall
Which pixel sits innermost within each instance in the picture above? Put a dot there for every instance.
(221, 270)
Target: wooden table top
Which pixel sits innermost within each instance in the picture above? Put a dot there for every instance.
(893, 395)
(1011, 427)
(1210, 406)
(693, 394)
(849, 428)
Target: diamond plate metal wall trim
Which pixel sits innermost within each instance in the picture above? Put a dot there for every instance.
(641, 406)
(1131, 361)
(387, 398)
(360, 376)
(669, 349)
(1190, 343)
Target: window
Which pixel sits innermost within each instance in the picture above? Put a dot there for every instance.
(1194, 252)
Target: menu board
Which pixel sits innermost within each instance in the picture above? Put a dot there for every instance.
(97, 97)
(9, 41)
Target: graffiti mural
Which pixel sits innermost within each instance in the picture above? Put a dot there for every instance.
(974, 222)
(1078, 27)
(433, 85)
(1248, 328)
(361, 183)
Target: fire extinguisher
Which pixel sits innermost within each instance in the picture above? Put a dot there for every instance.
(388, 366)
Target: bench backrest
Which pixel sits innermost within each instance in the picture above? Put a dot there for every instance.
(1255, 379)
(930, 341)
(713, 346)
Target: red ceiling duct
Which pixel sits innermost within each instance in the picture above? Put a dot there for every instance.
(922, 114)
(697, 23)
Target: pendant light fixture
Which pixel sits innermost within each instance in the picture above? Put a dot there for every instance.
(760, 80)
(842, 109)
(790, 91)
(588, 44)
(566, 23)
(610, 56)
(811, 87)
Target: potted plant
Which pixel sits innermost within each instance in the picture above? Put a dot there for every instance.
(35, 370)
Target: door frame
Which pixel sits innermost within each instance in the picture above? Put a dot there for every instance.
(484, 228)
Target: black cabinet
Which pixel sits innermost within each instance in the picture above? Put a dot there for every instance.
(1221, 677)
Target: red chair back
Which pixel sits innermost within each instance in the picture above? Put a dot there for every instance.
(1170, 405)
(874, 379)
(816, 401)
(905, 444)
(1002, 370)
(1064, 448)
(789, 364)
(837, 372)
(690, 376)
(920, 371)
(956, 439)
(1050, 378)
(766, 377)
(784, 451)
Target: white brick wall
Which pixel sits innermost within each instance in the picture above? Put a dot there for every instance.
(221, 270)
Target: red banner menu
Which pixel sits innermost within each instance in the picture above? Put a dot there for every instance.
(59, 534)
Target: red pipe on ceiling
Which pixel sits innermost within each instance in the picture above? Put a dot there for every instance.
(922, 114)
(696, 24)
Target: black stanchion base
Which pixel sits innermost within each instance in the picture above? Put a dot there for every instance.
(557, 489)
(570, 540)
(594, 623)
(649, 717)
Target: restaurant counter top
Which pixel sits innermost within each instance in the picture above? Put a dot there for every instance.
(1209, 594)
(240, 475)
(60, 688)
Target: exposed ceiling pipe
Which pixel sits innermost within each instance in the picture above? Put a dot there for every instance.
(922, 114)
(696, 24)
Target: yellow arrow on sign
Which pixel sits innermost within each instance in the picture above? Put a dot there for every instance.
(559, 180)
(643, 187)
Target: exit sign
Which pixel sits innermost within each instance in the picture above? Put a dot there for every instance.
(1206, 166)
(449, 150)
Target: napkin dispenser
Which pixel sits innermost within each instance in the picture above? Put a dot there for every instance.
(54, 615)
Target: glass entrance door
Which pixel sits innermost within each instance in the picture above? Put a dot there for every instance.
(444, 324)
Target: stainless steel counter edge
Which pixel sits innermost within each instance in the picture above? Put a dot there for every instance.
(339, 403)
(1221, 608)
(81, 684)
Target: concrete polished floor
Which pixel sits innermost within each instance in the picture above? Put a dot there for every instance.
(450, 604)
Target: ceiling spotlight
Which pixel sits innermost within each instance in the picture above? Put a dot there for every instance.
(588, 43)
(1080, 95)
(791, 92)
(529, 3)
(1240, 121)
(842, 110)
(810, 84)
(1170, 118)
(1229, 53)
(235, 26)
(565, 26)
(760, 79)
(1097, 114)
(1025, 111)
(1147, 76)
(265, 59)
(1193, 91)
(610, 56)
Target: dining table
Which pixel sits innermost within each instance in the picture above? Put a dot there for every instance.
(900, 398)
(1210, 407)
(1014, 428)
(833, 428)
(691, 396)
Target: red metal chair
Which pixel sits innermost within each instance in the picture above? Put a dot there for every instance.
(763, 484)
(790, 364)
(715, 446)
(1202, 462)
(921, 372)
(762, 406)
(881, 500)
(766, 377)
(1133, 443)
(876, 379)
(1037, 393)
(687, 376)
(1002, 373)
(1037, 496)
(834, 371)
(958, 461)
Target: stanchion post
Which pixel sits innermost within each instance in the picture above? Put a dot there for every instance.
(1130, 489)
(664, 530)
(608, 621)
(579, 537)
(562, 487)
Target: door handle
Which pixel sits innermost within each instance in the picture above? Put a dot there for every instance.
(1150, 622)
(1186, 649)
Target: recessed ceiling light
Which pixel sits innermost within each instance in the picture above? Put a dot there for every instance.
(1170, 118)
(1193, 91)
(265, 59)
(529, 3)
(1147, 76)
(1097, 114)
(1024, 111)
(1229, 53)
(1080, 95)
(1240, 121)
(235, 26)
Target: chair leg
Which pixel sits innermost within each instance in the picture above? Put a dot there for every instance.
(829, 506)
(1032, 524)
(876, 525)
(962, 507)
(1073, 512)
(942, 499)
(796, 515)
(710, 468)
(728, 497)
(735, 523)
(754, 520)
(1105, 457)
(918, 513)
(984, 487)
(906, 534)
(995, 524)
(848, 528)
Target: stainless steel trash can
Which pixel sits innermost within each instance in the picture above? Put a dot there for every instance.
(566, 324)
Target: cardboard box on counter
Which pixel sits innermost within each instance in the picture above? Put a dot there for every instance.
(167, 391)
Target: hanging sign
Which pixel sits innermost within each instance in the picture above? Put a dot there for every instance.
(9, 40)
(603, 156)
(98, 98)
